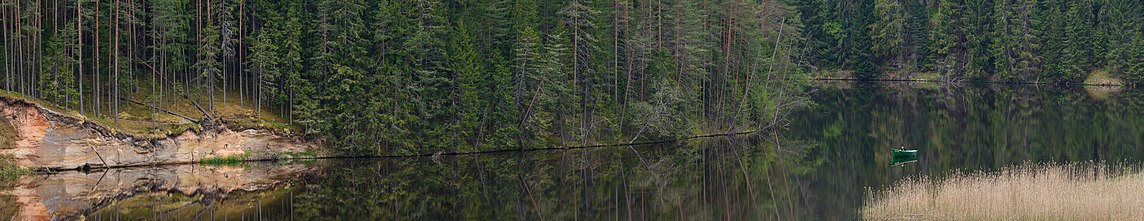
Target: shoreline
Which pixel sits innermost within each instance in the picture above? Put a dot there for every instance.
(971, 82)
(48, 142)
(84, 168)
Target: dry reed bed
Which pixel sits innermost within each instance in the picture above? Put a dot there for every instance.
(1077, 191)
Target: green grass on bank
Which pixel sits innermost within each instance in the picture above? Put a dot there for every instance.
(227, 160)
(45, 104)
(1101, 77)
(242, 158)
(9, 172)
(8, 135)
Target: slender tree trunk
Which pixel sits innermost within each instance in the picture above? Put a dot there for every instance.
(241, 86)
(730, 24)
(659, 24)
(675, 48)
(7, 55)
(115, 100)
(37, 45)
(575, 50)
(210, 73)
(79, 42)
(157, 95)
(96, 88)
(615, 50)
(20, 51)
(198, 44)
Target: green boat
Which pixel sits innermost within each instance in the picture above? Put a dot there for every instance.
(904, 153)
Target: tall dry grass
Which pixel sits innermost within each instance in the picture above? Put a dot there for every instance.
(1078, 191)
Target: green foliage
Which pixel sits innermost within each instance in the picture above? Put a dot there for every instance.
(60, 88)
(978, 40)
(887, 32)
(664, 115)
(9, 171)
(1135, 68)
(423, 76)
(227, 160)
(1076, 53)
(947, 39)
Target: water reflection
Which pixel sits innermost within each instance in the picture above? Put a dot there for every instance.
(827, 166)
(142, 193)
(964, 129)
(711, 179)
(725, 178)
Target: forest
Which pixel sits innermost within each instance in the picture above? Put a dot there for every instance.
(1045, 41)
(412, 76)
(416, 76)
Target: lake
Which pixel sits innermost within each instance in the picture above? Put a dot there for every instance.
(1010, 148)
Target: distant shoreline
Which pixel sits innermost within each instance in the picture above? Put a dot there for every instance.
(1094, 78)
(972, 82)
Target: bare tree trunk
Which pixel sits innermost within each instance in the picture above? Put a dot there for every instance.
(575, 50)
(210, 73)
(615, 50)
(658, 24)
(37, 45)
(115, 101)
(79, 44)
(20, 51)
(241, 86)
(7, 55)
(96, 87)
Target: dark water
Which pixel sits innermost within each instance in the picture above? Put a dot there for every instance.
(820, 168)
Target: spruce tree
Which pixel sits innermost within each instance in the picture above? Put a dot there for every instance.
(887, 33)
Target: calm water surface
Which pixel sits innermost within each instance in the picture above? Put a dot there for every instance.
(823, 167)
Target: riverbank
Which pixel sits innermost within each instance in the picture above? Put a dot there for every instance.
(51, 139)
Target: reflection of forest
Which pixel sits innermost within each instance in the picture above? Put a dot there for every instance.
(832, 157)
(709, 179)
(970, 128)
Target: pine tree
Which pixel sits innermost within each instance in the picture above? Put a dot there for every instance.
(887, 32)
(1050, 31)
(208, 60)
(472, 94)
(555, 95)
(50, 89)
(1077, 44)
(1118, 24)
(947, 39)
(919, 39)
(861, 55)
(265, 62)
(975, 31)
(1004, 35)
(1135, 67)
(433, 82)
(579, 19)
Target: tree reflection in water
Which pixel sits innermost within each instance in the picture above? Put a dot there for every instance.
(722, 178)
(832, 158)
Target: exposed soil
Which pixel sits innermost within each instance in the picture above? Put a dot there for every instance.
(47, 140)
